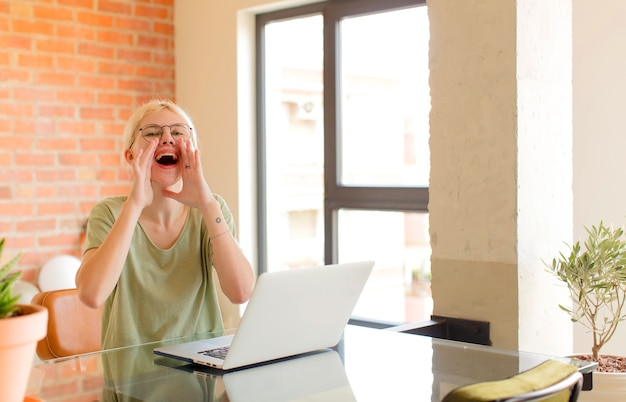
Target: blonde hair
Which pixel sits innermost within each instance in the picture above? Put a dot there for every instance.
(131, 131)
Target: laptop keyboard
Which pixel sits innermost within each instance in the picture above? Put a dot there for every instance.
(219, 353)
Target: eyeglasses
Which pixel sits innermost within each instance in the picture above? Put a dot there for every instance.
(180, 131)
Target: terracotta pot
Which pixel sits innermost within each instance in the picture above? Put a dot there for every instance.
(18, 341)
(607, 387)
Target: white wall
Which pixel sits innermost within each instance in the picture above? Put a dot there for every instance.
(599, 84)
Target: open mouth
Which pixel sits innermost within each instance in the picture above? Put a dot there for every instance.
(167, 159)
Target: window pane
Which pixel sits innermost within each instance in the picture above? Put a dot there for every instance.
(385, 99)
(399, 287)
(294, 142)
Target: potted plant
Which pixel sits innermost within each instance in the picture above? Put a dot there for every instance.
(21, 327)
(595, 275)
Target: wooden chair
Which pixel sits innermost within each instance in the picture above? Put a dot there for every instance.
(552, 381)
(73, 328)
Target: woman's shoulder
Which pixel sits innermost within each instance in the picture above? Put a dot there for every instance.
(110, 204)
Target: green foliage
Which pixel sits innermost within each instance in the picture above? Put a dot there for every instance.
(7, 300)
(596, 279)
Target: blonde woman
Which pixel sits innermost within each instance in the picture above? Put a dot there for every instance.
(149, 256)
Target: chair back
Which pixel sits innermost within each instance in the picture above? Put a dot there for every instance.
(552, 381)
(73, 328)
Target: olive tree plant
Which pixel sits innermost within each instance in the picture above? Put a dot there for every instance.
(595, 276)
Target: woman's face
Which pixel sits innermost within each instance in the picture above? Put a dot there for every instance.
(171, 133)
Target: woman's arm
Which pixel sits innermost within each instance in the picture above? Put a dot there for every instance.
(101, 267)
(233, 268)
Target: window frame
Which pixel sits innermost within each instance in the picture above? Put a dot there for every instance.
(336, 196)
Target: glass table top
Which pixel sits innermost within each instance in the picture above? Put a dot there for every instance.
(367, 365)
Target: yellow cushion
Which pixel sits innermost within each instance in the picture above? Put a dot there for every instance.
(542, 376)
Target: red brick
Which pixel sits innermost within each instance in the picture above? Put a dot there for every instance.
(96, 50)
(94, 19)
(53, 13)
(37, 27)
(110, 159)
(33, 94)
(133, 24)
(87, 206)
(152, 12)
(31, 159)
(14, 75)
(115, 99)
(116, 7)
(98, 144)
(164, 28)
(36, 225)
(116, 37)
(120, 69)
(21, 9)
(115, 129)
(96, 82)
(58, 240)
(56, 79)
(18, 209)
(14, 142)
(6, 160)
(97, 113)
(76, 127)
(47, 191)
(16, 110)
(155, 72)
(5, 58)
(135, 85)
(57, 111)
(55, 46)
(162, 43)
(6, 193)
(167, 59)
(74, 159)
(15, 42)
(76, 64)
(54, 208)
(107, 175)
(16, 176)
(56, 175)
(58, 144)
(75, 96)
(141, 56)
(77, 3)
(85, 33)
(33, 127)
(111, 191)
(74, 190)
(165, 89)
(35, 60)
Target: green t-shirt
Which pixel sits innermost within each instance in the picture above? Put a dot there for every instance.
(161, 294)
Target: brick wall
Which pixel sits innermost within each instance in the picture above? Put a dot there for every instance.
(71, 72)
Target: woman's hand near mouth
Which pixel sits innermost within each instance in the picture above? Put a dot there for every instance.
(141, 193)
(195, 192)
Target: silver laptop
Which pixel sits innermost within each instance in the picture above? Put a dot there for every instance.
(290, 312)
